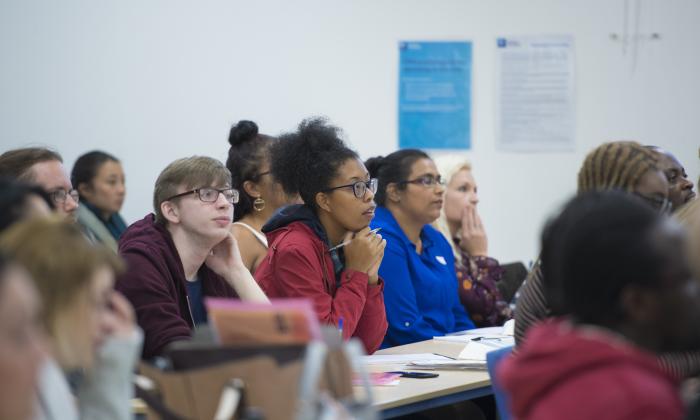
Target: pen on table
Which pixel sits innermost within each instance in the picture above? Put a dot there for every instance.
(347, 242)
(488, 341)
(486, 338)
(444, 355)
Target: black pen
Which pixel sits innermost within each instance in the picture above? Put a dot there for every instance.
(443, 355)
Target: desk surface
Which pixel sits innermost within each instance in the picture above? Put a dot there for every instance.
(413, 395)
(418, 394)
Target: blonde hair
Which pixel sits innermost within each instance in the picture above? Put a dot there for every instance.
(190, 172)
(448, 166)
(62, 264)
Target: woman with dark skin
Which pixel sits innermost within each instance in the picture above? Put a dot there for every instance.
(625, 166)
(323, 250)
(260, 195)
(680, 189)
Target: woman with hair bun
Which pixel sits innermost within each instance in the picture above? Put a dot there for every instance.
(260, 195)
(323, 250)
(419, 267)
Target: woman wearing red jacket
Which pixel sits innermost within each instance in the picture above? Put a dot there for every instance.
(304, 258)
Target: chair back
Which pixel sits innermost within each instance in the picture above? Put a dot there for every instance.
(493, 359)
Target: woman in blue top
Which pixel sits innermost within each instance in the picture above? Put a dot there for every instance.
(420, 287)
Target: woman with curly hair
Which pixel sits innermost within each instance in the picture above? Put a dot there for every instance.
(323, 250)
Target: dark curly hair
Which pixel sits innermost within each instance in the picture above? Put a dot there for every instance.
(306, 160)
(248, 151)
(395, 167)
(611, 228)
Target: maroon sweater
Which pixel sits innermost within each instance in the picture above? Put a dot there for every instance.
(574, 372)
(155, 285)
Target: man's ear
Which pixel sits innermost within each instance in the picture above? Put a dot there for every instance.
(170, 212)
(251, 188)
(323, 202)
(639, 304)
(393, 193)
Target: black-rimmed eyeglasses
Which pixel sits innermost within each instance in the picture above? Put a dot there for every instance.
(210, 195)
(60, 196)
(359, 188)
(426, 181)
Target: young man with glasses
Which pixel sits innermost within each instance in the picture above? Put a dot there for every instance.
(42, 167)
(183, 253)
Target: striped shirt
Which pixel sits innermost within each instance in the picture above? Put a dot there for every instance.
(532, 307)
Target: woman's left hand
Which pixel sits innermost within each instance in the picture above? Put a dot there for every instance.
(472, 236)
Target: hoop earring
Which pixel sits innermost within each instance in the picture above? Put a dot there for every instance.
(259, 204)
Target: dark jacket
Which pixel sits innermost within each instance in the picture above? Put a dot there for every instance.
(298, 264)
(155, 285)
(563, 371)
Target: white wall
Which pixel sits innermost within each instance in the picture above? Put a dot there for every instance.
(154, 81)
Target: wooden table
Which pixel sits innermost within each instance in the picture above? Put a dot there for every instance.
(413, 395)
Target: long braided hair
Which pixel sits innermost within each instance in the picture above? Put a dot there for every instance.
(615, 165)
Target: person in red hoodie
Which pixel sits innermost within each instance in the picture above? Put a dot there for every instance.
(617, 271)
(183, 253)
(323, 249)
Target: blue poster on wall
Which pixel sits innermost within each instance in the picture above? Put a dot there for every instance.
(435, 95)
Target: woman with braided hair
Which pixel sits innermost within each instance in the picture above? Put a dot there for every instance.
(626, 166)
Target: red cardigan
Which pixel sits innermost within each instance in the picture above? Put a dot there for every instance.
(298, 264)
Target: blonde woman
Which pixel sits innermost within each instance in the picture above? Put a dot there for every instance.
(478, 274)
(21, 346)
(92, 336)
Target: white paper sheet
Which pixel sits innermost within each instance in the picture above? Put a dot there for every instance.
(505, 332)
(535, 93)
(449, 365)
(476, 350)
(388, 359)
